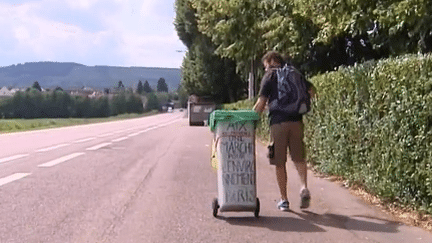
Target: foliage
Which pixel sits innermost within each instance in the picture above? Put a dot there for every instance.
(59, 104)
(119, 103)
(37, 86)
(120, 85)
(185, 22)
(245, 30)
(377, 130)
(401, 26)
(203, 72)
(152, 102)
(182, 96)
(140, 87)
(147, 87)
(319, 35)
(161, 85)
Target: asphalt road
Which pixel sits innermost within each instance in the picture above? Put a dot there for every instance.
(150, 180)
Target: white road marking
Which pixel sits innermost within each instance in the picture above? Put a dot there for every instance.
(60, 160)
(53, 147)
(105, 135)
(99, 146)
(120, 139)
(19, 156)
(13, 177)
(156, 127)
(166, 124)
(135, 134)
(84, 140)
(130, 135)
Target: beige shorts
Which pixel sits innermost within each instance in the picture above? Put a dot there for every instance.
(284, 136)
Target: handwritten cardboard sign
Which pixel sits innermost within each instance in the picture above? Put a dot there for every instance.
(235, 143)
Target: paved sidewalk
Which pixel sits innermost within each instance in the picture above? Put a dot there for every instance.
(334, 210)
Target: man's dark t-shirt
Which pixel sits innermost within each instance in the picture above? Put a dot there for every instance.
(269, 90)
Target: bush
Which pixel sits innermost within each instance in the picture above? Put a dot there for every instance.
(152, 102)
(372, 125)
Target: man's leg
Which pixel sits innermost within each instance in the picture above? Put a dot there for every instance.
(279, 136)
(298, 156)
(301, 167)
(282, 179)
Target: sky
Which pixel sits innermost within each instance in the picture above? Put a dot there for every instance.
(90, 32)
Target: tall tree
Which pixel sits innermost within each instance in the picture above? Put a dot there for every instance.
(140, 88)
(37, 86)
(162, 86)
(120, 85)
(322, 34)
(204, 72)
(147, 87)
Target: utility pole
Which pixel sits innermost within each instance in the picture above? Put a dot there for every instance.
(251, 93)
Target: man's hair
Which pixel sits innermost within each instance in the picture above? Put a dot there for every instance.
(273, 55)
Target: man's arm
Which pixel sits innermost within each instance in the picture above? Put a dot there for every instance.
(311, 89)
(260, 104)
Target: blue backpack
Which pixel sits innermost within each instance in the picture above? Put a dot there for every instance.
(293, 97)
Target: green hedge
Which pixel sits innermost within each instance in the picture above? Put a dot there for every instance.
(372, 124)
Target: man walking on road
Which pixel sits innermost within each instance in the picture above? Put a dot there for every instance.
(282, 88)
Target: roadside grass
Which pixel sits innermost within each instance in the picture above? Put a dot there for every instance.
(20, 125)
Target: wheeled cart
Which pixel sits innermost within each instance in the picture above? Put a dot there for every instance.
(233, 156)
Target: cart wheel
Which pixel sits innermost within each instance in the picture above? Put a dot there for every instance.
(257, 209)
(215, 206)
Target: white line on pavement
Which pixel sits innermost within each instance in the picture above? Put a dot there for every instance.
(106, 135)
(156, 127)
(120, 139)
(84, 140)
(13, 177)
(99, 146)
(53, 147)
(163, 125)
(130, 135)
(135, 134)
(60, 160)
(19, 156)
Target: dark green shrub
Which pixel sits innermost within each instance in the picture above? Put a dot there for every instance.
(372, 124)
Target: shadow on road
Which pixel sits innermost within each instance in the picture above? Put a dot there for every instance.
(284, 224)
(355, 222)
(311, 222)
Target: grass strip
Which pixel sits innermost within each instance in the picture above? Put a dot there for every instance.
(20, 125)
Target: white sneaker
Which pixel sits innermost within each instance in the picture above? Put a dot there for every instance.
(283, 205)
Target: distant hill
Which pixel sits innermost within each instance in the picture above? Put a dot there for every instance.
(74, 75)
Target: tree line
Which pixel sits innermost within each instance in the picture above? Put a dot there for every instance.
(59, 104)
(146, 88)
(56, 103)
(226, 39)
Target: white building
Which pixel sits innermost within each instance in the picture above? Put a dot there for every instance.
(6, 93)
